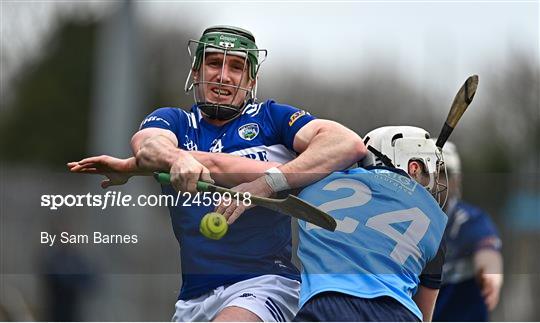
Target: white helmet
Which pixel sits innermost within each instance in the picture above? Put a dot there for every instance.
(395, 146)
(451, 158)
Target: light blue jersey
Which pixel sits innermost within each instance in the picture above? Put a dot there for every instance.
(389, 228)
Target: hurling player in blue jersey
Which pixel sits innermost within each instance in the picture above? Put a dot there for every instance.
(248, 274)
(384, 261)
(473, 270)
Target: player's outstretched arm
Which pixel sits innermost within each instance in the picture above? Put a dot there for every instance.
(488, 266)
(156, 150)
(425, 299)
(226, 170)
(118, 171)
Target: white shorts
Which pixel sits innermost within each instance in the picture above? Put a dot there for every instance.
(272, 298)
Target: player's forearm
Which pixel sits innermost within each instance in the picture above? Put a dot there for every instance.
(332, 148)
(229, 170)
(488, 261)
(132, 169)
(157, 153)
(488, 269)
(425, 299)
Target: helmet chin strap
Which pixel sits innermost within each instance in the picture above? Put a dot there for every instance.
(218, 111)
(222, 111)
(384, 159)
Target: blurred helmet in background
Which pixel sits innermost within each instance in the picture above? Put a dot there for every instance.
(451, 158)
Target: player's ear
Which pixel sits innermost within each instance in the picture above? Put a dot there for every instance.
(195, 74)
(414, 169)
(252, 83)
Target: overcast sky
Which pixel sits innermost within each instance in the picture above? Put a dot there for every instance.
(437, 40)
(424, 34)
(423, 39)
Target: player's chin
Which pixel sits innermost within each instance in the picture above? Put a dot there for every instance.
(220, 99)
(225, 102)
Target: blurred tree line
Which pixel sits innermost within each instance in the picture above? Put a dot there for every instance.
(45, 120)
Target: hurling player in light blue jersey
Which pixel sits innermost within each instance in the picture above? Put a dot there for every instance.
(248, 274)
(473, 269)
(384, 261)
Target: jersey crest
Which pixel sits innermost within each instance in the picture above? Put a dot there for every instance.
(248, 131)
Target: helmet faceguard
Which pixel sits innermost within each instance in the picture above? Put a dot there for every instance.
(396, 146)
(452, 162)
(231, 98)
(451, 158)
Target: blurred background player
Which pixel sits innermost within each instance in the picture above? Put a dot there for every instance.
(473, 270)
(248, 274)
(384, 261)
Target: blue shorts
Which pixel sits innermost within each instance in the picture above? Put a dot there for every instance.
(461, 302)
(333, 306)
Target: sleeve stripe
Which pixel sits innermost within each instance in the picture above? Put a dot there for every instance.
(270, 303)
(193, 120)
(188, 118)
(253, 109)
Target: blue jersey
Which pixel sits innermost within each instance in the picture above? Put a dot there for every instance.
(389, 228)
(259, 242)
(469, 230)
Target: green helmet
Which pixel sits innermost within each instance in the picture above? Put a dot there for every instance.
(228, 40)
(233, 39)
